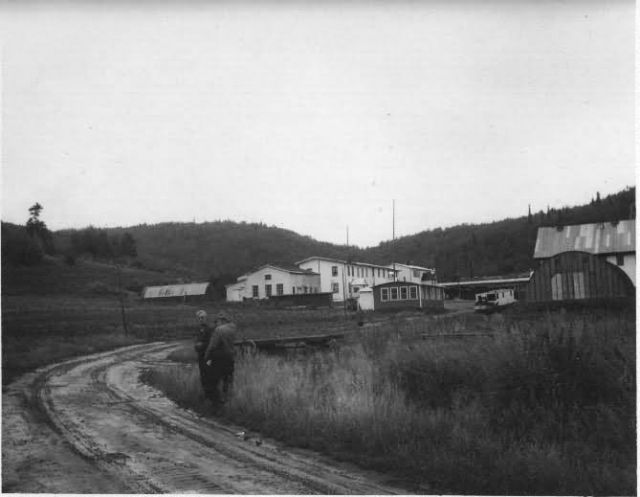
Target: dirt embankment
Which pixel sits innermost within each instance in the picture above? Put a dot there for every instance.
(89, 425)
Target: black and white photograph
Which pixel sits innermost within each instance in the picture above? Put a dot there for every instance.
(300, 247)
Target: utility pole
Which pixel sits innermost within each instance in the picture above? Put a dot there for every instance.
(344, 279)
(121, 297)
(393, 236)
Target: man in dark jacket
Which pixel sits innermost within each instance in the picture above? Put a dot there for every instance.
(209, 384)
(219, 355)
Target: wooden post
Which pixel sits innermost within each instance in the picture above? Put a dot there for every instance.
(121, 297)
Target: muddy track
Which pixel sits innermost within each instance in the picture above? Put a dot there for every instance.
(94, 427)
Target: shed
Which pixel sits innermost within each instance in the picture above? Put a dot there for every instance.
(400, 295)
(184, 291)
(365, 299)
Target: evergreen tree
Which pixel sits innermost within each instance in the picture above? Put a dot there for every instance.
(38, 231)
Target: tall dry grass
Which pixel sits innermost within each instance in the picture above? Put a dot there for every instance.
(547, 406)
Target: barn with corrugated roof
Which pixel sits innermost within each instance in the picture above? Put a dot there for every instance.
(583, 262)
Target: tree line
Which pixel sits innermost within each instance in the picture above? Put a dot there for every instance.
(28, 244)
(221, 251)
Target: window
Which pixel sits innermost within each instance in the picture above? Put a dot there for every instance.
(416, 273)
(334, 270)
(620, 259)
(413, 292)
(403, 293)
(335, 287)
(384, 294)
(293, 290)
(279, 289)
(394, 293)
(304, 289)
(267, 290)
(254, 291)
(267, 276)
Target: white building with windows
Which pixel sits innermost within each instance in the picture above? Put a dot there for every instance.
(272, 279)
(345, 278)
(414, 274)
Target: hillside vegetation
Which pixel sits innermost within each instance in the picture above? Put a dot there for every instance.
(220, 251)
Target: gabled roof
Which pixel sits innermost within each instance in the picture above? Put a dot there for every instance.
(180, 290)
(594, 238)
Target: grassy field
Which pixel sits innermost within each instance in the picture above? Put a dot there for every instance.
(38, 330)
(544, 406)
(52, 312)
(542, 403)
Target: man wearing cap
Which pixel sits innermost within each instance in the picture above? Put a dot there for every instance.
(202, 340)
(219, 355)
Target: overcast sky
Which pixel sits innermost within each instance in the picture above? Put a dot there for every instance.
(314, 117)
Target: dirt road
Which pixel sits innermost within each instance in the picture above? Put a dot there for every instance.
(89, 425)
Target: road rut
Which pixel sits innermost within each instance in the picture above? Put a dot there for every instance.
(105, 431)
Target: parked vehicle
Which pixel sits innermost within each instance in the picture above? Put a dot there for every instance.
(494, 300)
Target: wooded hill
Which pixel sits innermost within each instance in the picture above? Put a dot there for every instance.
(220, 251)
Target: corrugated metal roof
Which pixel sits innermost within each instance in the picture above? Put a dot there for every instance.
(595, 238)
(182, 290)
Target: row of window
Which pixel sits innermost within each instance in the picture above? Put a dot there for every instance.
(268, 290)
(399, 293)
(364, 272)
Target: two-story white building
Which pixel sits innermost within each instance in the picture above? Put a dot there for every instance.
(345, 278)
(414, 274)
(275, 280)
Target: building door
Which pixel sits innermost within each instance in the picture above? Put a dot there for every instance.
(556, 287)
(578, 286)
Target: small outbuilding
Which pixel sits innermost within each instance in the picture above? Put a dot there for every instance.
(401, 295)
(365, 299)
(182, 291)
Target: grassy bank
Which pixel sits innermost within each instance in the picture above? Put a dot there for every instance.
(546, 406)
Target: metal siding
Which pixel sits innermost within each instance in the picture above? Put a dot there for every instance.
(575, 280)
(184, 290)
(593, 238)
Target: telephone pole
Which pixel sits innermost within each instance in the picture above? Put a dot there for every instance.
(393, 237)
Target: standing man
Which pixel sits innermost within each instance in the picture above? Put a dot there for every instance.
(219, 355)
(202, 340)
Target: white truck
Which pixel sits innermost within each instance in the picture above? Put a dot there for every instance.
(494, 300)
